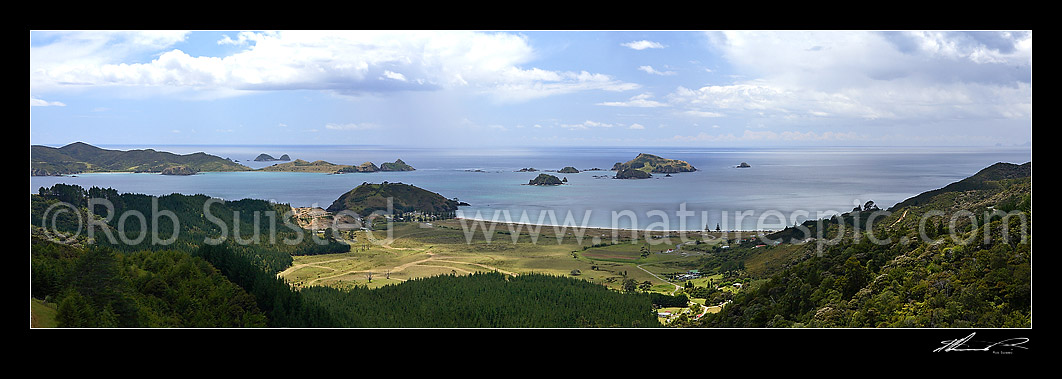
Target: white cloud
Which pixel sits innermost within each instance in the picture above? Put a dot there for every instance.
(641, 101)
(636, 126)
(341, 61)
(697, 113)
(643, 44)
(651, 70)
(586, 125)
(388, 74)
(908, 76)
(351, 126)
(35, 102)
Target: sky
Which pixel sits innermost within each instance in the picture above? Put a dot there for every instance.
(469, 88)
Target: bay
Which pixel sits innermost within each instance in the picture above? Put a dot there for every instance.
(783, 186)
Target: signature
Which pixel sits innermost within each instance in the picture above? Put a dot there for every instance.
(965, 344)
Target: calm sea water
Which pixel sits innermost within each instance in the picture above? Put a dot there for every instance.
(783, 186)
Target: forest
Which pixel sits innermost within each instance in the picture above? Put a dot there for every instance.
(958, 257)
(232, 283)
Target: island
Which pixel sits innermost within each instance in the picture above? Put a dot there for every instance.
(321, 166)
(545, 180)
(397, 165)
(300, 165)
(568, 170)
(631, 173)
(743, 165)
(79, 157)
(364, 167)
(649, 163)
(527, 169)
(405, 198)
(268, 158)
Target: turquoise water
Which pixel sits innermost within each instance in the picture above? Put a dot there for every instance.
(783, 186)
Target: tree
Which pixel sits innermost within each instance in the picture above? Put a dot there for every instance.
(630, 285)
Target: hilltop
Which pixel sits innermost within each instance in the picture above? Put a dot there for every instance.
(987, 178)
(367, 198)
(79, 157)
(649, 163)
(955, 257)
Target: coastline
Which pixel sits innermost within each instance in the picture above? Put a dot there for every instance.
(611, 229)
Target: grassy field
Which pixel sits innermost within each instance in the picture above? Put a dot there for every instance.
(448, 247)
(42, 315)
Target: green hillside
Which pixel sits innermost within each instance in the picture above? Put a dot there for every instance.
(367, 198)
(955, 257)
(81, 157)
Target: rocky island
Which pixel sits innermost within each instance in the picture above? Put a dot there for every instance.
(743, 165)
(631, 173)
(321, 166)
(568, 170)
(397, 165)
(268, 158)
(648, 163)
(364, 167)
(545, 180)
(300, 165)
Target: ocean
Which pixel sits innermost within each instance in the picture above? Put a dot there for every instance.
(783, 186)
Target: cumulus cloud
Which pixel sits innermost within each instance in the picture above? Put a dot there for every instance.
(346, 62)
(35, 102)
(587, 124)
(910, 76)
(641, 101)
(651, 70)
(643, 44)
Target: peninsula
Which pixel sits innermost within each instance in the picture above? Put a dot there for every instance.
(405, 198)
(80, 157)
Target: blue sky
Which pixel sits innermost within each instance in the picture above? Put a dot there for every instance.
(520, 88)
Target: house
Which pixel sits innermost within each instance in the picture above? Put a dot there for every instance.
(663, 314)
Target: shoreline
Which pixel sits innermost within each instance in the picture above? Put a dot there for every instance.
(612, 229)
